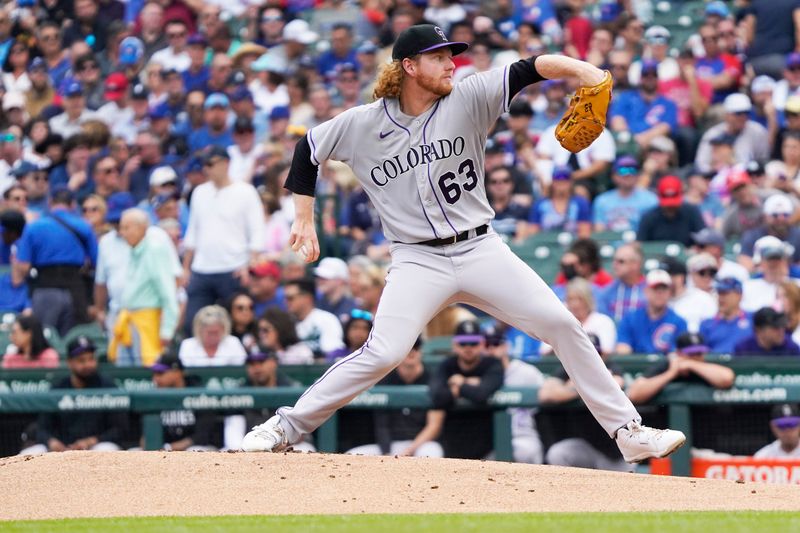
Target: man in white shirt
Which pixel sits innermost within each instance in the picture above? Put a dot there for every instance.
(175, 55)
(712, 242)
(224, 237)
(245, 152)
(690, 303)
(75, 113)
(771, 257)
(594, 160)
(785, 425)
(319, 330)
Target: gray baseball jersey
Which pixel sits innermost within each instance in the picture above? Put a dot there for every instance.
(423, 174)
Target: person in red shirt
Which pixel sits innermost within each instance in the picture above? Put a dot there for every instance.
(29, 348)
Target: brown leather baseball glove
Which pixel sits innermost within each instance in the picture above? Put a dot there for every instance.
(586, 117)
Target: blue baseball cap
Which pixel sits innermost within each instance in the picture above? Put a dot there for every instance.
(367, 47)
(717, 8)
(195, 164)
(197, 39)
(72, 88)
(241, 93)
(279, 112)
(117, 203)
(562, 172)
(24, 168)
(649, 65)
(626, 165)
(37, 64)
(727, 285)
(216, 100)
(160, 199)
(131, 51)
(160, 111)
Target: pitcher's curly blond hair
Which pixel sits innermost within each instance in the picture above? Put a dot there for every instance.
(390, 78)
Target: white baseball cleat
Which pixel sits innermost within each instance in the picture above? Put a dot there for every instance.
(638, 442)
(266, 437)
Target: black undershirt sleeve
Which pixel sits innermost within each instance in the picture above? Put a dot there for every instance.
(302, 177)
(521, 74)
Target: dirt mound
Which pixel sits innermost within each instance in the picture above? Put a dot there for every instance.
(86, 484)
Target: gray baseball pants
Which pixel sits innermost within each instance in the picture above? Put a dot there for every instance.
(483, 272)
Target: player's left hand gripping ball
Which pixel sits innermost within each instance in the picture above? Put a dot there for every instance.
(586, 117)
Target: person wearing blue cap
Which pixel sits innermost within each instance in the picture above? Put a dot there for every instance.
(621, 208)
(347, 84)
(41, 93)
(341, 51)
(75, 112)
(48, 39)
(130, 54)
(196, 76)
(643, 113)
(59, 246)
(731, 324)
(561, 210)
(215, 132)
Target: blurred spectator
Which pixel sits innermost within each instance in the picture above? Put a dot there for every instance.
(225, 234)
(654, 327)
(722, 69)
(297, 36)
(773, 33)
(750, 139)
(196, 75)
(369, 287)
(55, 56)
(357, 328)
(580, 301)
(244, 152)
(590, 447)
(555, 104)
(318, 329)
(601, 43)
(789, 303)
(769, 336)
(137, 170)
(13, 298)
(243, 321)
(791, 123)
(621, 208)
(174, 56)
(673, 219)
(94, 208)
(270, 27)
(771, 258)
(658, 160)
(525, 441)
(685, 366)
(182, 430)
(212, 343)
(215, 132)
(277, 332)
(148, 307)
(644, 113)
(29, 347)
(87, 73)
(626, 292)
(265, 288)
(80, 430)
(561, 210)
(509, 218)
(785, 425)
(764, 112)
(471, 375)
(262, 371)
(106, 177)
(582, 259)
(619, 63)
(688, 301)
(75, 112)
(15, 67)
(744, 211)
(699, 194)
(731, 324)
(332, 283)
(703, 268)
(710, 241)
(151, 29)
(269, 88)
(778, 216)
(656, 48)
(341, 50)
(59, 246)
(406, 432)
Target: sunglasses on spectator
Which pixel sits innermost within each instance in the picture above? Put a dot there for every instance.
(49, 37)
(627, 171)
(290, 297)
(361, 314)
(176, 35)
(88, 66)
(270, 19)
(242, 307)
(471, 344)
(707, 273)
(90, 209)
(780, 215)
(212, 162)
(728, 34)
(709, 38)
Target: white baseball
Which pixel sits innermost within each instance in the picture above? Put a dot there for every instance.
(303, 252)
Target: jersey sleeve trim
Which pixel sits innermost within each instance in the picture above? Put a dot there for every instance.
(313, 147)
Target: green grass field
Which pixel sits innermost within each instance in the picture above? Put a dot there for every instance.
(679, 522)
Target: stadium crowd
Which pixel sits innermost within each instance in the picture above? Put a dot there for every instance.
(144, 145)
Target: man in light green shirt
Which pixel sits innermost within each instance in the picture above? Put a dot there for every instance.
(149, 305)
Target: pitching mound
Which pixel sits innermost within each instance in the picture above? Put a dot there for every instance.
(86, 484)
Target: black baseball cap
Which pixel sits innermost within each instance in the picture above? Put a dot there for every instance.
(469, 331)
(168, 361)
(767, 317)
(79, 345)
(423, 38)
(691, 344)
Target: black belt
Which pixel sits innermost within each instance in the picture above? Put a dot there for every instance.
(463, 236)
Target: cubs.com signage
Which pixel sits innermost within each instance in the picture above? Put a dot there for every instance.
(747, 469)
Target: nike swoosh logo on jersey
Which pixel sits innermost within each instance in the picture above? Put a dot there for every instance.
(383, 135)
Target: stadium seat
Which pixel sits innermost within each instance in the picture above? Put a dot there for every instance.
(55, 340)
(438, 346)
